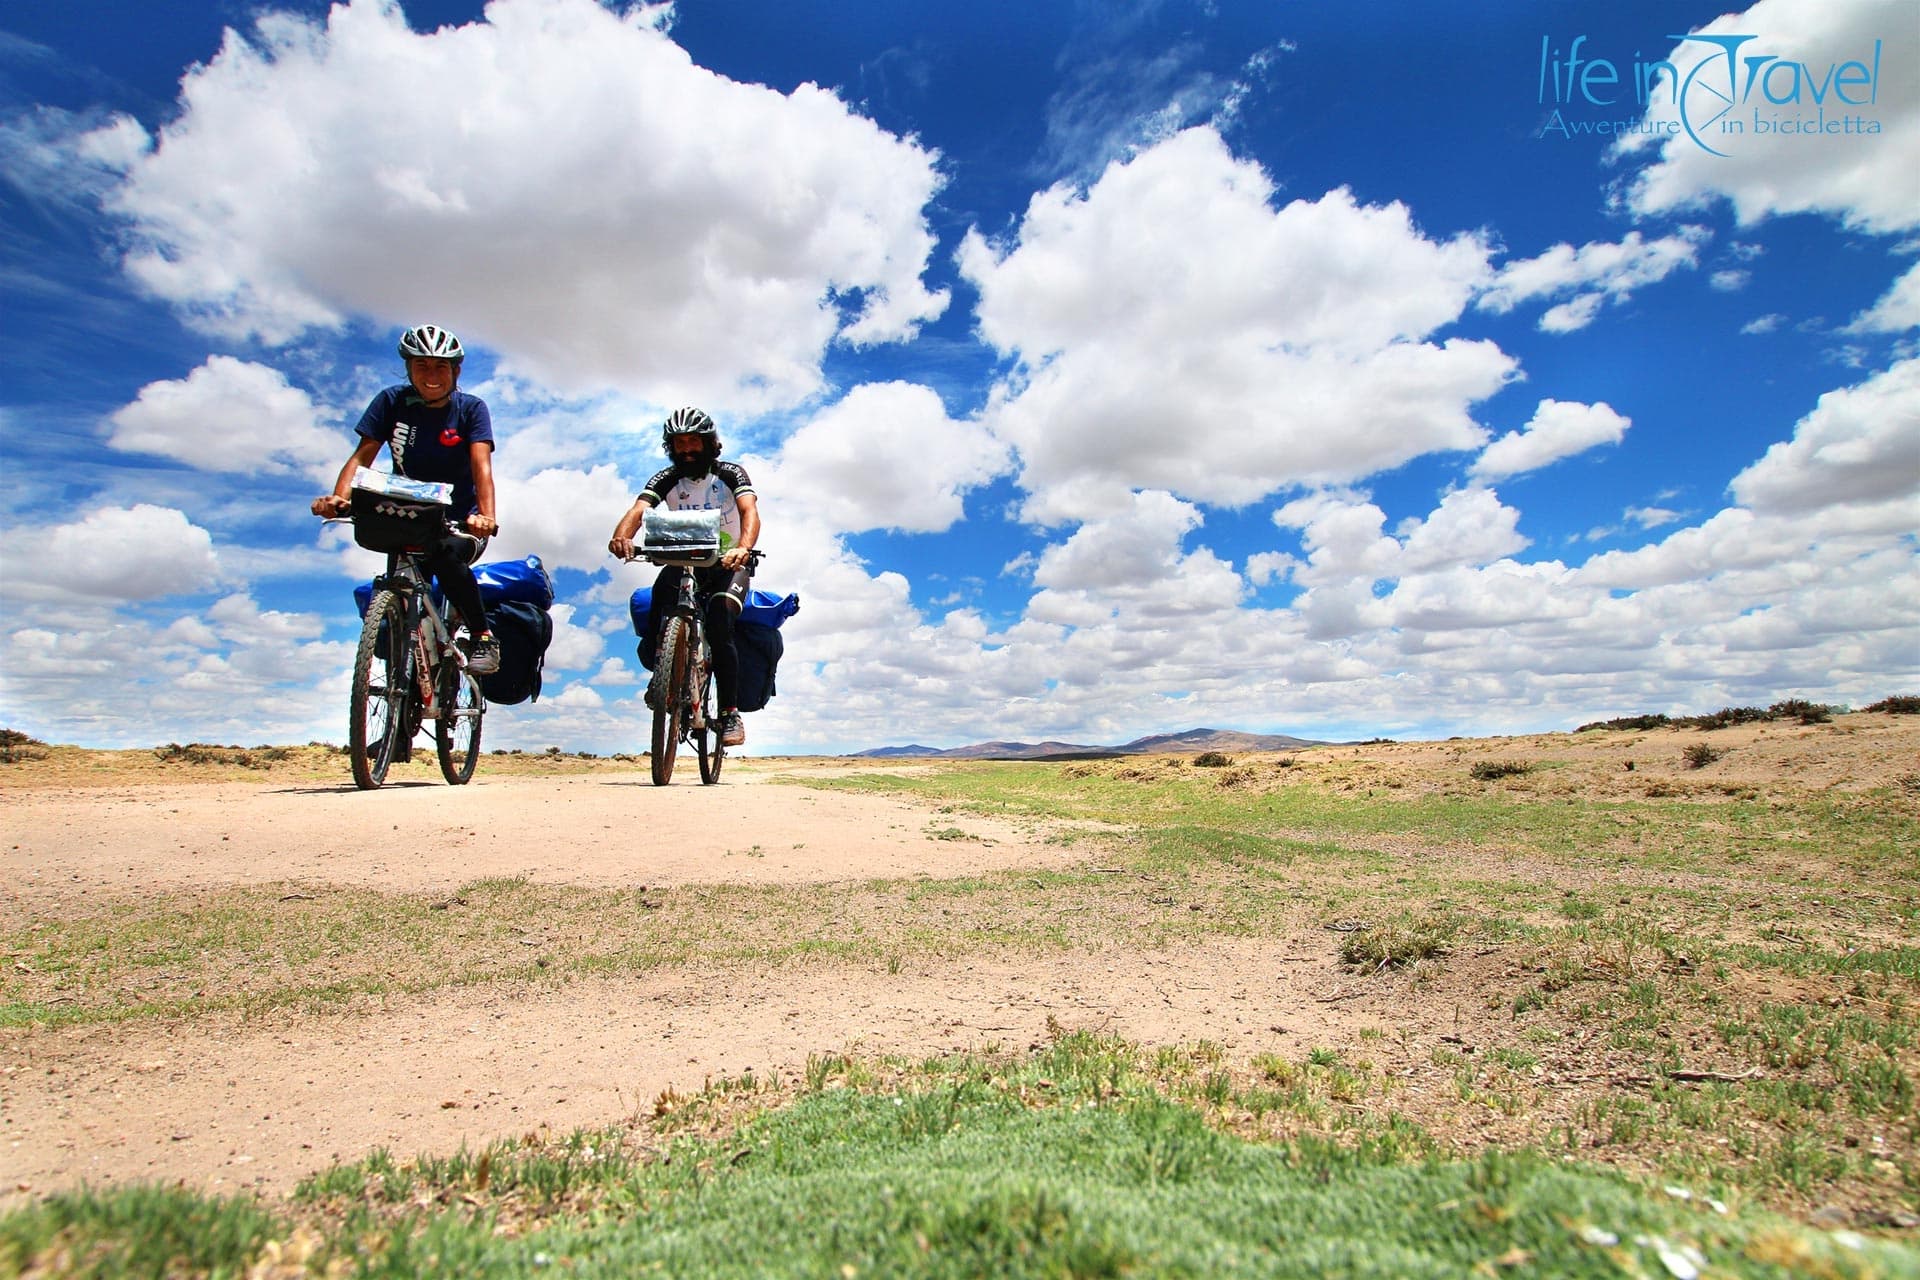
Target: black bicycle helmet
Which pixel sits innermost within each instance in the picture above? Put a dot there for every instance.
(431, 340)
(687, 422)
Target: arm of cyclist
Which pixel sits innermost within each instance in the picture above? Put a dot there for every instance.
(336, 503)
(482, 523)
(621, 543)
(741, 552)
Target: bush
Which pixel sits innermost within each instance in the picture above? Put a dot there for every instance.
(16, 746)
(1213, 760)
(1900, 705)
(1728, 717)
(1802, 710)
(1700, 755)
(1489, 770)
(1629, 722)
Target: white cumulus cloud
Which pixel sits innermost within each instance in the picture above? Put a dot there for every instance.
(558, 180)
(1593, 274)
(1174, 330)
(229, 415)
(142, 552)
(886, 456)
(1558, 429)
(1860, 444)
(1897, 311)
(1863, 178)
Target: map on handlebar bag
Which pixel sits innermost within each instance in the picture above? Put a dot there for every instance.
(385, 482)
(682, 537)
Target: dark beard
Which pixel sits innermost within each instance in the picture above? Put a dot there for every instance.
(695, 469)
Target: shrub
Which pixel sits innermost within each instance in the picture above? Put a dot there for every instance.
(1700, 755)
(1727, 717)
(16, 746)
(1802, 710)
(1899, 705)
(1489, 770)
(1213, 760)
(1629, 722)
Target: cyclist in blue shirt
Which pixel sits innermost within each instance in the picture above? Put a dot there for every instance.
(435, 431)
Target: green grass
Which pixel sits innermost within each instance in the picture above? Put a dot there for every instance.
(1079, 1160)
(1745, 973)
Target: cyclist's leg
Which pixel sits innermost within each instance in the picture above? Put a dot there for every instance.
(723, 606)
(450, 563)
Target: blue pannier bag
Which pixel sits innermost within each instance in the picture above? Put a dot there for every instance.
(762, 609)
(517, 595)
(759, 649)
(525, 581)
(524, 631)
(756, 639)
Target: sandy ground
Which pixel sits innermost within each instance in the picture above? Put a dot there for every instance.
(599, 831)
(224, 1103)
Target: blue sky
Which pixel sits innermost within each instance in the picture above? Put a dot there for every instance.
(1105, 368)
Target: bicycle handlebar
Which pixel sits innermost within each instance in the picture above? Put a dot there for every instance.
(754, 557)
(458, 526)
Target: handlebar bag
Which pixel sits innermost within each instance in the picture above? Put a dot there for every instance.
(397, 524)
(680, 537)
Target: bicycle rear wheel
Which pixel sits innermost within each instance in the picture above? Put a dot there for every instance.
(382, 682)
(457, 732)
(711, 756)
(669, 679)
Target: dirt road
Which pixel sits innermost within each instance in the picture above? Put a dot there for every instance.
(226, 1103)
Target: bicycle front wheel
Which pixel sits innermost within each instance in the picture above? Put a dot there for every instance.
(382, 681)
(669, 680)
(457, 732)
(707, 741)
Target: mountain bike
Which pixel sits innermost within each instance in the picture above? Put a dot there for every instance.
(407, 669)
(682, 693)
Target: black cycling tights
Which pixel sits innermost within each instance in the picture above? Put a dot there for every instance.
(726, 658)
(449, 564)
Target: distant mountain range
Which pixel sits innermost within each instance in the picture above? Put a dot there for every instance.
(1194, 740)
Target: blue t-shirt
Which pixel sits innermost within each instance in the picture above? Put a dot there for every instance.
(427, 443)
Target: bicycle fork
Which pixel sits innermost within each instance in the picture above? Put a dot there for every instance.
(689, 609)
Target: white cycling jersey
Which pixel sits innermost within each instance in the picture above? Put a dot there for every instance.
(718, 490)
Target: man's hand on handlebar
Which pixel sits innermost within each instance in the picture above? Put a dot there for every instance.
(331, 507)
(482, 526)
(737, 557)
(621, 547)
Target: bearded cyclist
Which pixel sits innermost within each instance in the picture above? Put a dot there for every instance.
(435, 431)
(699, 481)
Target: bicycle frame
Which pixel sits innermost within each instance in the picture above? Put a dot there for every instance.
(427, 626)
(407, 671)
(683, 682)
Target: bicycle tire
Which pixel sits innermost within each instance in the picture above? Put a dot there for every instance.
(670, 674)
(711, 758)
(382, 682)
(456, 734)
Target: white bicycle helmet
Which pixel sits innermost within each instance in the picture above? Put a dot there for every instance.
(431, 340)
(687, 422)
